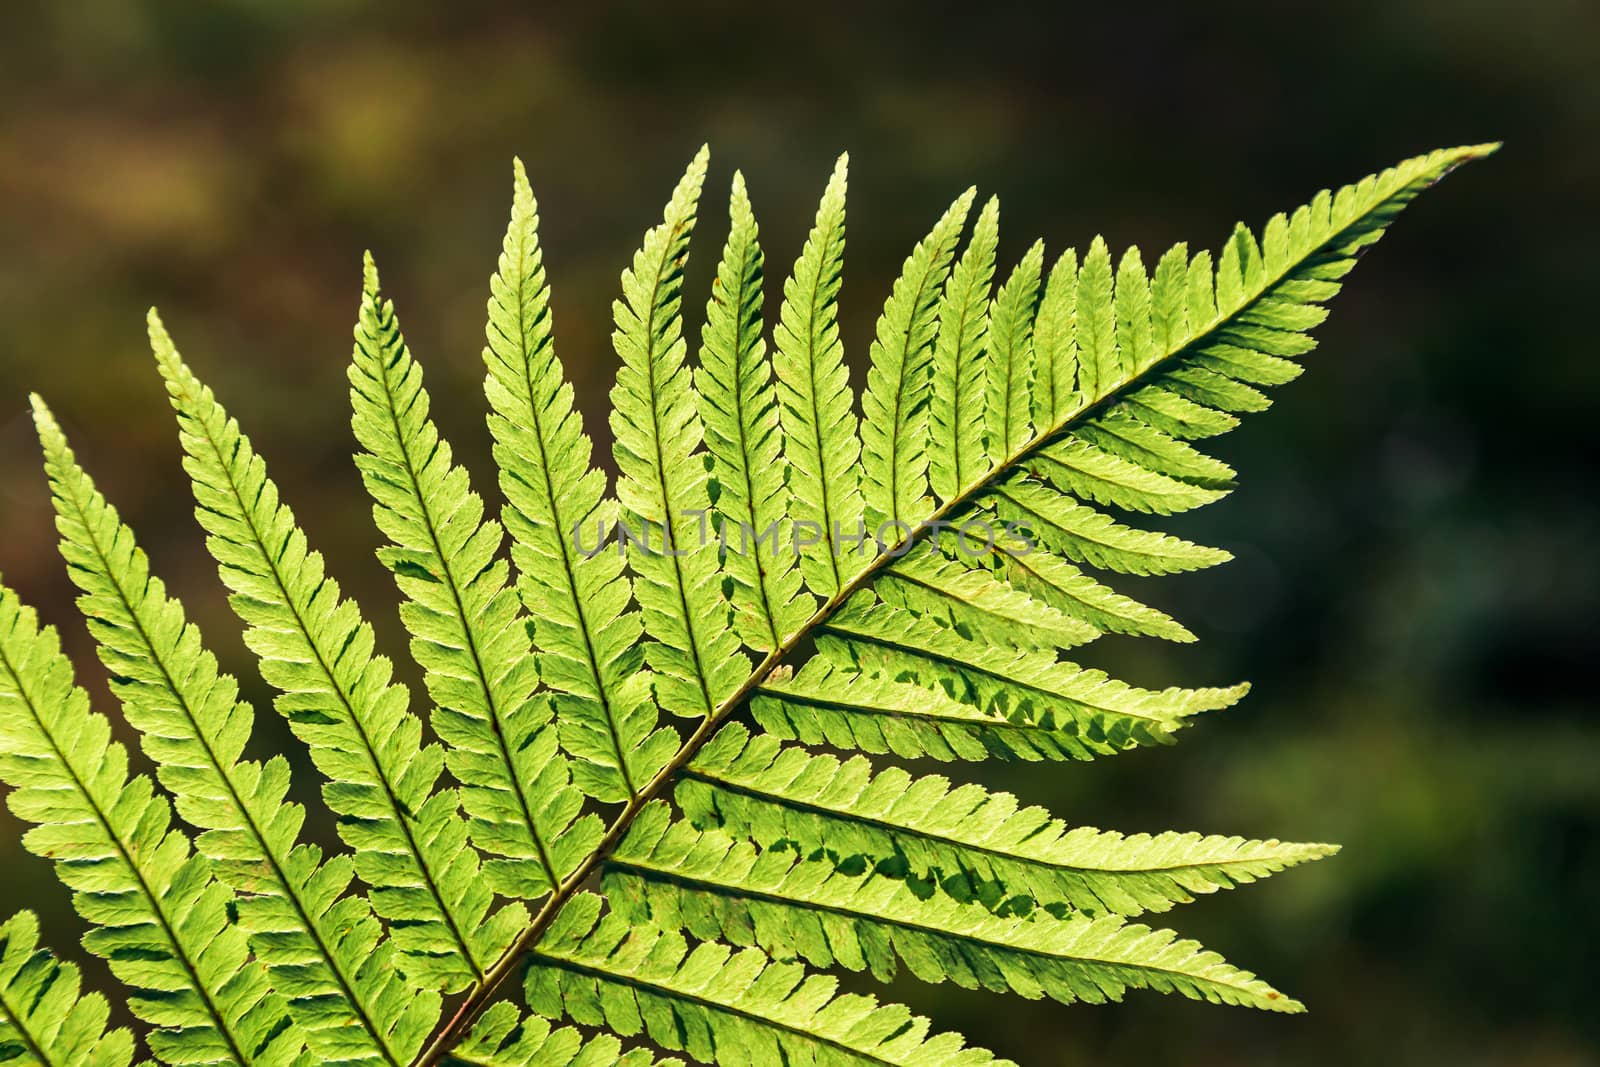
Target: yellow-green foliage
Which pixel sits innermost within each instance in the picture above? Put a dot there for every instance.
(622, 801)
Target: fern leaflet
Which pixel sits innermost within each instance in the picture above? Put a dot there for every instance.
(326, 952)
(159, 918)
(815, 402)
(666, 506)
(42, 1018)
(746, 443)
(410, 843)
(586, 637)
(976, 844)
(465, 626)
(894, 437)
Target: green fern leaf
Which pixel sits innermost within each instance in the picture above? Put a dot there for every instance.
(975, 844)
(894, 425)
(976, 603)
(825, 705)
(1000, 431)
(158, 918)
(714, 887)
(325, 951)
(1011, 358)
(816, 405)
(409, 841)
(43, 1020)
(1169, 298)
(1170, 412)
(957, 453)
(577, 598)
(738, 1009)
(1055, 343)
(1053, 581)
(466, 630)
(1020, 684)
(1135, 333)
(1121, 434)
(1084, 535)
(655, 420)
(1095, 321)
(746, 443)
(1090, 472)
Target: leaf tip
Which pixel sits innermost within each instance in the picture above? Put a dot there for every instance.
(51, 437)
(160, 340)
(522, 202)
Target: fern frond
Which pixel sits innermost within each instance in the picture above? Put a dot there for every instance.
(409, 841)
(825, 705)
(743, 435)
(326, 953)
(959, 372)
(716, 888)
(1029, 415)
(894, 424)
(1007, 422)
(736, 1009)
(579, 599)
(816, 406)
(466, 630)
(662, 487)
(1020, 684)
(43, 1020)
(159, 919)
(503, 1038)
(976, 845)
(1136, 354)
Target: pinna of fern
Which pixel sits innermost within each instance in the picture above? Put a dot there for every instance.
(647, 775)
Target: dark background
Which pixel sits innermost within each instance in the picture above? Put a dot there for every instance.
(1415, 580)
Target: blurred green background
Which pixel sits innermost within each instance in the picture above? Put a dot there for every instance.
(1415, 583)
